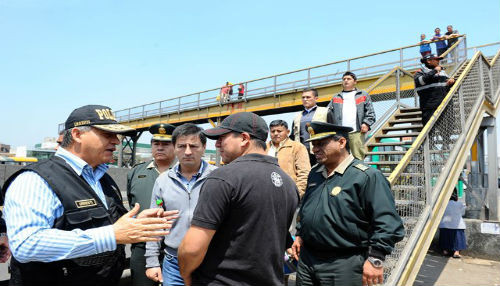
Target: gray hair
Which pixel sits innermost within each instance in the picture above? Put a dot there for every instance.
(68, 138)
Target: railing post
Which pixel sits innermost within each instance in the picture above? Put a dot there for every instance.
(129, 115)
(481, 78)
(179, 105)
(245, 93)
(465, 47)
(308, 77)
(143, 112)
(398, 88)
(401, 58)
(348, 65)
(462, 108)
(199, 95)
(275, 85)
(427, 171)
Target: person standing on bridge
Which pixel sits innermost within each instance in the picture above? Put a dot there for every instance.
(311, 112)
(240, 225)
(178, 189)
(65, 218)
(431, 84)
(348, 219)
(353, 108)
(140, 182)
(441, 43)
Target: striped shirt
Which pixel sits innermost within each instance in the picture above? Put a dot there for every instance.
(31, 207)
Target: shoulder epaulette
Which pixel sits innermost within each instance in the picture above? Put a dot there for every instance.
(138, 164)
(362, 167)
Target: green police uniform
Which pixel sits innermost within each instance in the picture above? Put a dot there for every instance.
(345, 216)
(140, 182)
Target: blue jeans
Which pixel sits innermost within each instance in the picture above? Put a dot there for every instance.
(170, 271)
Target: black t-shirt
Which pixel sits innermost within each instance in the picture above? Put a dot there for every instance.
(451, 41)
(250, 203)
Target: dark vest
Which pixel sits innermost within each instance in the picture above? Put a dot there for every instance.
(83, 209)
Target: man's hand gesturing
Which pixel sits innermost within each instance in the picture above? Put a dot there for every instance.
(150, 225)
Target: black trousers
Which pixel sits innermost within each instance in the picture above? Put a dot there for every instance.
(345, 270)
(138, 266)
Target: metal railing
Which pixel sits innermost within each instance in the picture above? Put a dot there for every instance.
(374, 64)
(425, 176)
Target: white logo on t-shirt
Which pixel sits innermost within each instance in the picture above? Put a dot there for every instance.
(277, 180)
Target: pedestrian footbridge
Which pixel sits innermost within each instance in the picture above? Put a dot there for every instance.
(422, 163)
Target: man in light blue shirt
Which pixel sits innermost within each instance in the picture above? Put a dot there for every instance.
(65, 219)
(178, 189)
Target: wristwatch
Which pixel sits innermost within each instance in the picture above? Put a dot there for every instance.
(377, 263)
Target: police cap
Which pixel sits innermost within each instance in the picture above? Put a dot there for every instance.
(162, 131)
(320, 130)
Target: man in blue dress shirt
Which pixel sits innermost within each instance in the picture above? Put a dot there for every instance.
(65, 219)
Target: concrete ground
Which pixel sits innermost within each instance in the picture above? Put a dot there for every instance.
(445, 271)
(436, 270)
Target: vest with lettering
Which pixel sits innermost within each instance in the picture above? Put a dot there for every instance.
(83, 209)
(320, 114)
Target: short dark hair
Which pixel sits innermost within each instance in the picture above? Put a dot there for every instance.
(310, 89)
(278, 122)
(188, 129)
(337, 137)
(351, 74)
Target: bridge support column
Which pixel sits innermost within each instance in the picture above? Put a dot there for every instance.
(127, 152)
(477, 181)
(493, 194)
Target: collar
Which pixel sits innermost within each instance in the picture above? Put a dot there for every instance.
(77, 163)
(151, 165)
(281, 144)
(197, 175)
(257, 157)
(340, 168)
(310, 109)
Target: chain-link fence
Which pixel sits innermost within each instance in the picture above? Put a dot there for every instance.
(420, 177)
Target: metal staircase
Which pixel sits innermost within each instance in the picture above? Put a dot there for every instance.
(423, 163)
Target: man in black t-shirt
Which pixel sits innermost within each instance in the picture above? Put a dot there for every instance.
(240, 225)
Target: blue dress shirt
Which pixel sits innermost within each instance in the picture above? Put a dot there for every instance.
(31, 207)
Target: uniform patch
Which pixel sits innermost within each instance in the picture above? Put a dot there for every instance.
(85, 203)
(362, 167)
(335, 191)
(141, 176)
(311, 185)
(276, 179)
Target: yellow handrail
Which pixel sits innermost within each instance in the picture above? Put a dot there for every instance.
(421, 137)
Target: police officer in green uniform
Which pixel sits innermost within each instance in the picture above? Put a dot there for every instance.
(140, 182)
(348, 220)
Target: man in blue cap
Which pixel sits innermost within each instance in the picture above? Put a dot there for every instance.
(348, 220)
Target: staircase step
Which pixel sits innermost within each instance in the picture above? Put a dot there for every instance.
(404, 127)
(386, 153)
(409, 120)
(409, 109)
(400, 143)
(408, 202)
(407, 188)
(398, 135)
(409, 114)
